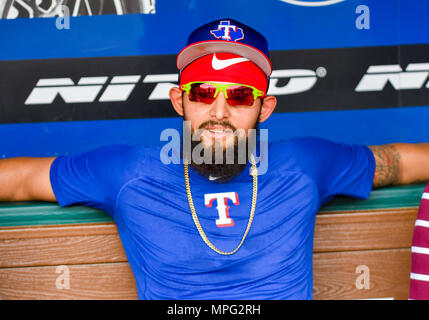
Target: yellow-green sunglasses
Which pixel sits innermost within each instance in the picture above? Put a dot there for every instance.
(236, 94)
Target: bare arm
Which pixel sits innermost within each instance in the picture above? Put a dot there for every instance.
(26, 179)
(400, 163)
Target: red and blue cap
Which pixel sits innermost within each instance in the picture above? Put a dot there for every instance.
(226, 36)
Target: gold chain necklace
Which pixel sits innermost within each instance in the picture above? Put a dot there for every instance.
(254, 173)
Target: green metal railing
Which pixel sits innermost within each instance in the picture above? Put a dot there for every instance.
(45, 213)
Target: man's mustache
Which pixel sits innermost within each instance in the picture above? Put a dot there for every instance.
(211, 123)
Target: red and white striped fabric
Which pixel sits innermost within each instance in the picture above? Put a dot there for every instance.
(419, 277)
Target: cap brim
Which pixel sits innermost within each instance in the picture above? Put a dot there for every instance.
(199, 49)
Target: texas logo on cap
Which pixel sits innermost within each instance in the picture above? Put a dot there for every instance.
(226, 36)
(226, 31)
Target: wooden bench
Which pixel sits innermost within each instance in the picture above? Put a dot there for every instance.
(357, 243)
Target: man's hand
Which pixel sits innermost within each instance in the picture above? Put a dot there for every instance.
(400, 163)
(26, 179)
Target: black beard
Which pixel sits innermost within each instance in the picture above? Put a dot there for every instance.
(223, 172)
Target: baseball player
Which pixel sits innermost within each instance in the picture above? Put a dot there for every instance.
(204, 230)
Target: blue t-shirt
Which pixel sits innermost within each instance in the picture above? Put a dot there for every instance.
(148, 202)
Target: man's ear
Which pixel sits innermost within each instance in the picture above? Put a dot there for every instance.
(176, 100)
(267, 108)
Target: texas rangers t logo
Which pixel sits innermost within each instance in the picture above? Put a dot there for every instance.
(226, 31)
(222, 206)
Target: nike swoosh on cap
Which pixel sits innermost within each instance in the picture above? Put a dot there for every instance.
(222, 64)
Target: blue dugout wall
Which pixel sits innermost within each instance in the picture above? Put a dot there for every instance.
(352, 71)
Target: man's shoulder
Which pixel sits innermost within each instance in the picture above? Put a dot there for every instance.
(139, 159)
(292, 153)
(295, 147)
(125, 162)
(298, 142)
(127, 152)
(302, 146)
(131, 159)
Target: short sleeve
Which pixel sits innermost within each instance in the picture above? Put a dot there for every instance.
(93, 178)
(337, 168)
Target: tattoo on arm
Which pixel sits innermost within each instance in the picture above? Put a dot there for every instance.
(387, 165)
